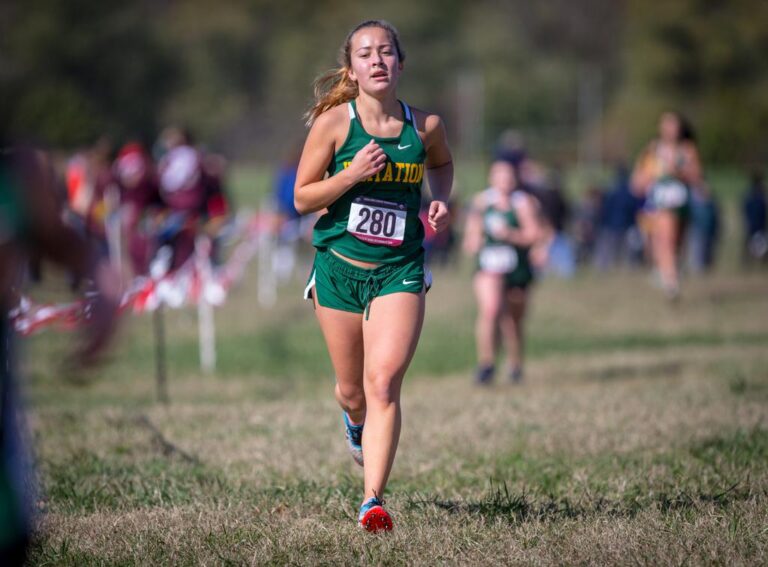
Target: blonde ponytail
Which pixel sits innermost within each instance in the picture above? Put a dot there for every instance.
(331, 89)
(335, 87)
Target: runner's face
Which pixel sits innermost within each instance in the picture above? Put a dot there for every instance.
(502, 177)
(374, 62)
(669, 127)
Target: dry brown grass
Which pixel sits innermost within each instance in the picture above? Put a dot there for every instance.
(636, 451)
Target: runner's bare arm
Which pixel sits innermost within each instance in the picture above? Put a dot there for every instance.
(439, 166)
(439, 162)
(313, 191)
(641, 177)
(473, 228)
(690, 172)
(529, 231)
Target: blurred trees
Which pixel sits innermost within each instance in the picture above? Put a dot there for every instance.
(239, 72)
(706, 58)
(77, 69)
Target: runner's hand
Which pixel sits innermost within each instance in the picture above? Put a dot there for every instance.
(438, 217)
(367, 162)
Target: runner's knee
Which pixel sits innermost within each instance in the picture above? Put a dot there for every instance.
(351, 395)
(382, 386)
(489, 309)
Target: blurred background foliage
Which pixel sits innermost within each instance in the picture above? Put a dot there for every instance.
(581, 80)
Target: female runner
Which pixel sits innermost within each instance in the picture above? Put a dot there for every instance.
(363, 163)
(502, 226)
(664, 175)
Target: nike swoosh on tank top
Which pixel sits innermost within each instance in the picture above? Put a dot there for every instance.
(377, 220)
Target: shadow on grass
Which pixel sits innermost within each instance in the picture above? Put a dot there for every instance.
(732, 457)
(501, 504)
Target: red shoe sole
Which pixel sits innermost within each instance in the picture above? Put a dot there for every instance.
(376, 519)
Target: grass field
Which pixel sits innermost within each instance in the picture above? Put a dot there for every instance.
(639, 437)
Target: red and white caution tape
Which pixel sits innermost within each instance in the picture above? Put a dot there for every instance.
(176, 289)
(29, 318)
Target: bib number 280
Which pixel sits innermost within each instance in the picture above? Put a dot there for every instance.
(377, 222)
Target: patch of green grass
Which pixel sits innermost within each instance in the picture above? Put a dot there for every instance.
(86, 482)
(499, 503)
(295, 349)
(551, 494)
(739, 449)
(250, 186)
(598, 458)
(65, 553)
(543, 346)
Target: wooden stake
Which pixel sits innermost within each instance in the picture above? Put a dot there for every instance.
(206, 323)
(160, 356)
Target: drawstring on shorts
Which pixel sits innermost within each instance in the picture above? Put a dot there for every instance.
(372, 288)
(370, 280)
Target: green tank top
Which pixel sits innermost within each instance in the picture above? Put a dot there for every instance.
(377, 220)
(499, 256)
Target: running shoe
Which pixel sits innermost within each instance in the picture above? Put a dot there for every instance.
(373, 517)
(672, 293)
(484, 375)
(516, 375)
(354, 434)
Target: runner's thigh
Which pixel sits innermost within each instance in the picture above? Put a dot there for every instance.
(343, 332)
(392, 331)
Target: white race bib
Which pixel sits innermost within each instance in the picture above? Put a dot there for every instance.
(498, 259)
(669, 194)
(377, 222)
(495, 223)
